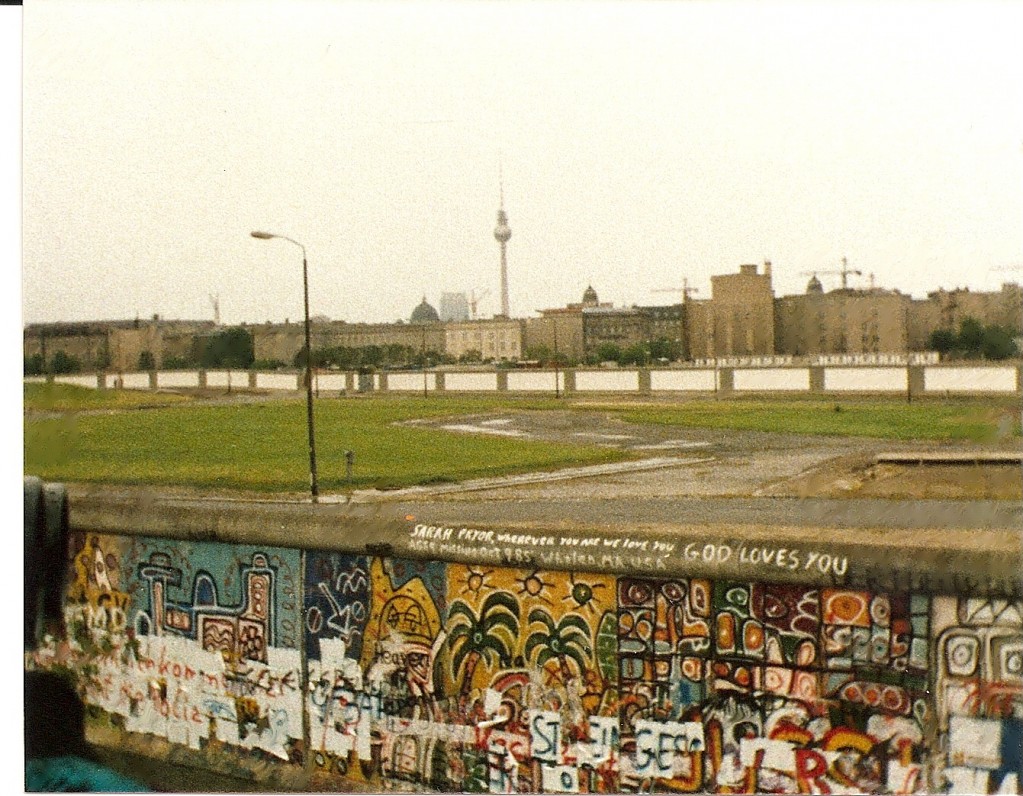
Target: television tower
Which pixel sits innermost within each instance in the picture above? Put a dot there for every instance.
(502, 232)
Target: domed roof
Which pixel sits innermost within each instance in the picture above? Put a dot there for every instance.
(814, 285)
(590, 295)
(424, 313)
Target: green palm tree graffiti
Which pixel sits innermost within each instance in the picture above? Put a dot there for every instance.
(568, 639)
(489, 636)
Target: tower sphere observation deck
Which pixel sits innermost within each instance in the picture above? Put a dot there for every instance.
(502, 232)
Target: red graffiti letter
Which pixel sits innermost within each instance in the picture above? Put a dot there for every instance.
(810, 770)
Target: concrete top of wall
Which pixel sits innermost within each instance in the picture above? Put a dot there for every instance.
(931, 560)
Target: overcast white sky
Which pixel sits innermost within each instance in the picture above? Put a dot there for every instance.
(642, 144)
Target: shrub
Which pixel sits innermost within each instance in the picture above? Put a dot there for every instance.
(64, 362)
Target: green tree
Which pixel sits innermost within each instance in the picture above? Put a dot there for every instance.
(34, 365)
(998, 343)
(971, 337)
(663, 348)
(975, 340)
(637, 354)
(177, 363)
(231, 348)
(540, 353)
(943, 341)
(397, 354)
(64, 362)
(489, 636)
(568, 639)
(146, 361)
(608, 352)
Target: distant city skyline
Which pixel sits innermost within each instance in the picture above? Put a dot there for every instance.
(640, 145)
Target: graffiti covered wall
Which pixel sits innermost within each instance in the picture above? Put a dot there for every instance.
(490, 678)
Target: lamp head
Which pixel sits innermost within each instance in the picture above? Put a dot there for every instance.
(263, 235)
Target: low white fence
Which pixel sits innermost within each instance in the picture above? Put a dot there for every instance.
(132, 381)
(411, 382)
(330, 381)
(867, 379)
(683, 380)
(771, 380)
(535, 380)
(226, 378)
(970, 379)
(182, 378)
(607, 380)
(81, 380)
(470, 382)
(278, 381)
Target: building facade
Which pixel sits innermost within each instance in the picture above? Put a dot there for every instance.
(496, 339)
(116, 345)
(738, 318)
(842, 322)
(741, 318)
(946, 309)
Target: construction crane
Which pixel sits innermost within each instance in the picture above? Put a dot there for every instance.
(474, 300)
(685, 290)
(844, 273)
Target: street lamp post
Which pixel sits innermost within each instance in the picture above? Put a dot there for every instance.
(557, 366)
(314, 487)
(423, 355)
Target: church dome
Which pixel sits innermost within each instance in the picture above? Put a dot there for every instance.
(814, 285)
(424, 313)
(590, 296)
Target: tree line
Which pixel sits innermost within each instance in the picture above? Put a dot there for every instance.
(974, 340)
(234, 348)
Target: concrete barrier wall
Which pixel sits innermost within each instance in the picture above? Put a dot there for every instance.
(967, 379)
(334, 382)
(131, 381)
(471, 382)
(83, 379)
(771, 379)
(238, 379)
(411, 382)
(607, 380)
(534, 380)
(180, 378)
(467, 659)
(277, 381)
(934, 379)
(865, 379)
(680, 380)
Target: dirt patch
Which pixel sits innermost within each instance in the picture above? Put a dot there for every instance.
(859, 479)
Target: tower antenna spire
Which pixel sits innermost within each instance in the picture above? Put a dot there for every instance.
(502, 232)
(500, 179)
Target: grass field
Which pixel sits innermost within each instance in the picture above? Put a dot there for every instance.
(976, 420)
(69, 398)
(263, 446)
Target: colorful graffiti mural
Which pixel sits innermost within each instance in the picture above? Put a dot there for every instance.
(193, 643)
(488, 678)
